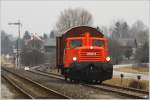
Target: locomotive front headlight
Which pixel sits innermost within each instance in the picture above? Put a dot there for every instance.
(91, 47)
(74, 58)
(107, 58)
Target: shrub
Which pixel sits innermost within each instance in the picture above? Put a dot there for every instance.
(32, 57)
(137, 84)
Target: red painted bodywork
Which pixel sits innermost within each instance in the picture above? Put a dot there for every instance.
(87, 52)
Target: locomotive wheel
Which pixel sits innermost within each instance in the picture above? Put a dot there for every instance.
(100, 82)
(95, 81)
(71, 80)
(66, 78)
(76, 81)
(89, 81)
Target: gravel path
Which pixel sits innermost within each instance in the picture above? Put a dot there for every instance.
(73, 90)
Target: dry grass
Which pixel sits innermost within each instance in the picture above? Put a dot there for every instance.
(126, 82)
(138, 84)
(139, 70)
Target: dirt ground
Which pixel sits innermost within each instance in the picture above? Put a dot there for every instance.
(125, 82)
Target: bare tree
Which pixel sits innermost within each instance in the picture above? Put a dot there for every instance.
(140, 32)
(115, 51)
(142, 53)
(105, 31)
(120, 30)
(73, 17)
(128, 52)
(6, 43)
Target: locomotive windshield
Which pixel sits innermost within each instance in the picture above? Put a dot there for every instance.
(98, 43)
(75, 43)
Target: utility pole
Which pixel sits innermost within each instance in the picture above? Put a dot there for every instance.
(18, 41)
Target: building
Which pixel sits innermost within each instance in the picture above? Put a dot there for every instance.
(35, 42)
(49, 44)
(49, 47)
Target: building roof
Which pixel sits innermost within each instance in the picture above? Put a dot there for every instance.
(35, 37)
(50, 42)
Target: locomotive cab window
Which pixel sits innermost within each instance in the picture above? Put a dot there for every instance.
(98, 43)
(75, 43)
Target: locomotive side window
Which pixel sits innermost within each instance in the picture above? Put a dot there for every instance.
(98, 43)
(75, 43)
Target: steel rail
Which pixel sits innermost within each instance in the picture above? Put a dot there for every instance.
(50, 91)
(17, 87)
(127, 88)
(126, 92)
(135, 93)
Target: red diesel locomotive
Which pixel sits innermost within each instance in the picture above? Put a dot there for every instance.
(82, 54)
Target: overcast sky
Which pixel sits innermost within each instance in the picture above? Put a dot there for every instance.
(41, 16)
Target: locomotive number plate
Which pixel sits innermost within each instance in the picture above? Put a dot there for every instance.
(91, 53)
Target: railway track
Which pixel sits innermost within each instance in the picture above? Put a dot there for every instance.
(27, 95)
(130, 92)
(30, 88)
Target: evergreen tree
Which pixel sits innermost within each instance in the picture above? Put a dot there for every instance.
(45, 36)
(52, 34)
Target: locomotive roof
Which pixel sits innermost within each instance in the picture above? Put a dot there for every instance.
(80, 30)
